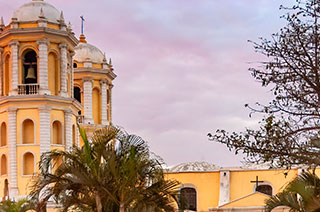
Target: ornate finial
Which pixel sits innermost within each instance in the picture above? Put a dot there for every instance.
(14, 17)
(41, 16)
(69, 26)
(82, 38)
(82, 20)
(61, 17)
(110, 65)
(104, 57)
(1, 22)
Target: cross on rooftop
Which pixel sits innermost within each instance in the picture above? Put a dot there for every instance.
(257, 181)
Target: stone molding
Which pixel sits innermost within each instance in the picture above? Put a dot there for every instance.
(42, 30)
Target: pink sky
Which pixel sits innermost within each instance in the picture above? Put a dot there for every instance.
(181, 66)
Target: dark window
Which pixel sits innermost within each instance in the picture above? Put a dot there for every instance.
(266, 189)
(75, 65)
(77, 94)
(188, 199)
(30, 67)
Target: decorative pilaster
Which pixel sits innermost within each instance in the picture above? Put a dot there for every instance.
(72, 74)
(224, 194)
(77, 137)
(64, 69)
(68, 128)
(109, 103)
(87, 100)
(43, 66)
(104, 115)
(12, 125)
(44, 113)
(1, 71)
(14, 67)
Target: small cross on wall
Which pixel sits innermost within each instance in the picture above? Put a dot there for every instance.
(257, 181)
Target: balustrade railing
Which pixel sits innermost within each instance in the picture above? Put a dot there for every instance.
(28, 89)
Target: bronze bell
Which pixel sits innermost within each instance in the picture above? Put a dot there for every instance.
(31, 73)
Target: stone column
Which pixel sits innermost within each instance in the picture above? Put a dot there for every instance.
(12, 125)
(224, 194)
(109, 105)
(87, 100)
(45, 129)
(1, 71)
(64, 70)
(72, 73)
(14, 45)
(68, 128)
(43, 67)
(104, 115)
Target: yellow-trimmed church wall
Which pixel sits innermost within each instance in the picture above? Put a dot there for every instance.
(206, 185)
(241, 185)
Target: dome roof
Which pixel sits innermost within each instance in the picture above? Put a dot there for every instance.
(194, 167)
(87, 52)
(31, 12)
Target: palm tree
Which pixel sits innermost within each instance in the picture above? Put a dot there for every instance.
(300, 195)
(22, 205)
(113, 172)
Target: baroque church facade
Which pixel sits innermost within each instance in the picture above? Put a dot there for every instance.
(49, 82)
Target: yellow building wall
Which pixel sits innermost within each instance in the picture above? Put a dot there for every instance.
(206, 184)
(58, 115)
(23, 114)
(240, 181)
(24, 182)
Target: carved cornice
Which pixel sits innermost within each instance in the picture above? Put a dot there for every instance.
(14, 43)
(43, 42)
(63, 46)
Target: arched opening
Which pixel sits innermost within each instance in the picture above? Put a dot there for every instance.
(29, 67)
(6, 77)
(27, 131)
(4, 165)
(3, 134)
(5, 190)
(77, 93)
(53, 74)
(56, 132)
(28, 164)
(96, 106)
(188, 199)
(75, 65)
(266, 189)
(73, 135)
